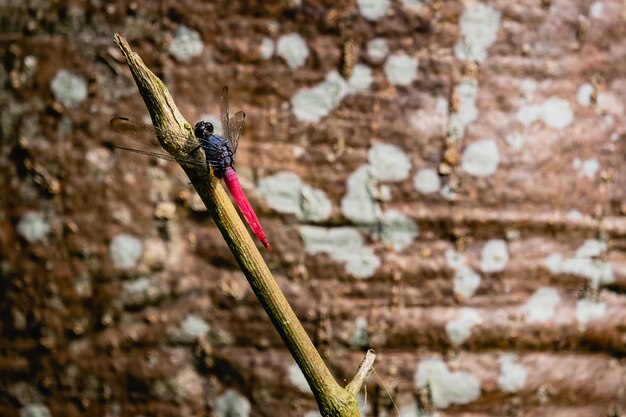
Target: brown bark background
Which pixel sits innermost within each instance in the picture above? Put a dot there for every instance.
(442, 181)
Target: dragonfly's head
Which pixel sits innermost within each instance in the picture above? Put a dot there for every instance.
(203, 130)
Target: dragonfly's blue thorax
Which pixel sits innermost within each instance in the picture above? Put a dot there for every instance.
(218, 151)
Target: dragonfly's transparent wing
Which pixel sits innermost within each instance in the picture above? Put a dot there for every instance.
(135, 130)
(182, 161)
(224, 113)
(236, 125)
(143, 133)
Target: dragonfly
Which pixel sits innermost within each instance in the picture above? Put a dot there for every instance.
(219, 151)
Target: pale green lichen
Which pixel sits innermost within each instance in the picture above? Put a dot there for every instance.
(68, 88)
(584, 263)
(125, 250)
(401, 69)
(512, 375)
(285, 192)
(186, 44)
(479, 28)
(232, 404)
(388, 162)
(194, 326)
(446, 387)
(460, 328)
(293, 49)
(373, 9)
(33, 227)
(344, 244)
(481, 158)
(494, 256)
(399, 230)
(466, 282)
(427, 181)
(541, 306)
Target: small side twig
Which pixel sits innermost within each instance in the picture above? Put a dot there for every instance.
(365, 368)
(332, 399)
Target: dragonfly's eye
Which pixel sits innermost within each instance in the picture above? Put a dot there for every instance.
(203, 129)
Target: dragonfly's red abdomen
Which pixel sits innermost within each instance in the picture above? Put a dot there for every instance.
(234, 186)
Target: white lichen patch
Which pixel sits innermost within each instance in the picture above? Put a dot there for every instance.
(311, 104)
(125, 250)
(282, 191)
(361, 78)
(142, 291)
(360, 335)
(343, 244)
(389, 162)
(574, 215)
(314, 103)
(187, 384)
(33, 227)
(286, 193)
(186, 44)
(589, 310)
(554, 112)
(194, 326)
(557, 113)
(528, 86)
(481, 158)
(401, 69)
(591, 248)
(446, 388)
(373, 9)
(296, 377)
(494, 256)
(412, 5)
(512, 375)
(454, 259)
(35, 410)
(266, 48)
(466, 91)
(590, 167)
(584, 94)
(584, 263)
(479, 29)
(68, 88)
(427, 181)
(364, 188)
(314, 205)
(595, 9)
(293, 49)
(359, 203)
(232, 404)
(399, 230)
(541, 306)
(377, 49)
(460, 328)
(466, 281)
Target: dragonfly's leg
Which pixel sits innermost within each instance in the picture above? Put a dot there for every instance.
(195, 149)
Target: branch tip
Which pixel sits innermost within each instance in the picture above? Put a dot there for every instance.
(364, 370)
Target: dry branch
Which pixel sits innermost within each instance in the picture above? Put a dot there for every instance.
(332, 399)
